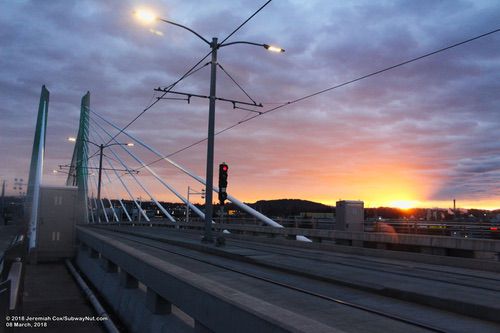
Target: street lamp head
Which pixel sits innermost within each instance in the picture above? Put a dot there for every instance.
(72, 139)
(145, 16)
(273, 48)
(130, 144)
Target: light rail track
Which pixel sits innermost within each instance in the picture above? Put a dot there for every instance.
(159, 245)
(452, 275)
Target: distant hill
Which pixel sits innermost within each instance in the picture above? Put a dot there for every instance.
(289, 207)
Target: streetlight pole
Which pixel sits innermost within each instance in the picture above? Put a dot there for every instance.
(101, 148)
(149, 17)
(187, 205)
(208, 237)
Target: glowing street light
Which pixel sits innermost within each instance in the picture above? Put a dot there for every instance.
(273, 48)
(145, 16)
(148, 17)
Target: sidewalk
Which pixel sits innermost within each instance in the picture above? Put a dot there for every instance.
(51, 293)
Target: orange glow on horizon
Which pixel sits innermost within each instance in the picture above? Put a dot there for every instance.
(404, 204)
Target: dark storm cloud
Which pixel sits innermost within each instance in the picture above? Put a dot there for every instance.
(438, 116)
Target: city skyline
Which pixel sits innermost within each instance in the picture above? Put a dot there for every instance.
(416, 136)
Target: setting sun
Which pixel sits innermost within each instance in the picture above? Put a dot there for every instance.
(404, 204)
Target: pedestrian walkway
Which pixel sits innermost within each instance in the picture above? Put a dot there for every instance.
(54, 301)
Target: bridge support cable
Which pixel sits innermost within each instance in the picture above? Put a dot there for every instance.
(127, 190)
(115, 217)
(119, 200)
(164, 211)
(139, 208)
(93, 199)
(109, 201)
(90, 207)
(96, 201)
(116, 196)
(102, 205)
(107, 198)
(91, 210)
(237, 202)
(154, 174)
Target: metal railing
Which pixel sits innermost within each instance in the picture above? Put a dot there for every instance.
(444, 228)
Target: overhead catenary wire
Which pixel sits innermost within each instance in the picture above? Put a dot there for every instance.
(162, 157)
(236, 83)
(231, 198)
(246, 21)
(159, 98)
(170, 87)
(188, 73)
(282, 105)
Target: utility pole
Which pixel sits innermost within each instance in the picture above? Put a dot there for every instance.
(187, 206)
(149, 17)
(3, 201)
(190, 191)
(208, 237)
(101, 148)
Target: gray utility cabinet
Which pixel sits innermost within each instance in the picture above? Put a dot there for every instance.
(56, 222)
(350, 215)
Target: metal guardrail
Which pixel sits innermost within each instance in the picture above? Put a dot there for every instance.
(432, 244)
(417, 227)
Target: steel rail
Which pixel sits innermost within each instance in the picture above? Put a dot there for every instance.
(384, 270)
(285, 285)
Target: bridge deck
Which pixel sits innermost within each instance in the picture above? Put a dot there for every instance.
(51, 293)
(317, 285)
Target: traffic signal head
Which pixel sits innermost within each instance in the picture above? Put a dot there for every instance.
(223, 168)
(222, 197)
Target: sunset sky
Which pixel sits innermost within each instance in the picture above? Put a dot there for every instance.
(415, 136)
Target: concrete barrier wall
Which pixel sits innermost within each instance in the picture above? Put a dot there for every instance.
(116, 268)
(485, 249)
